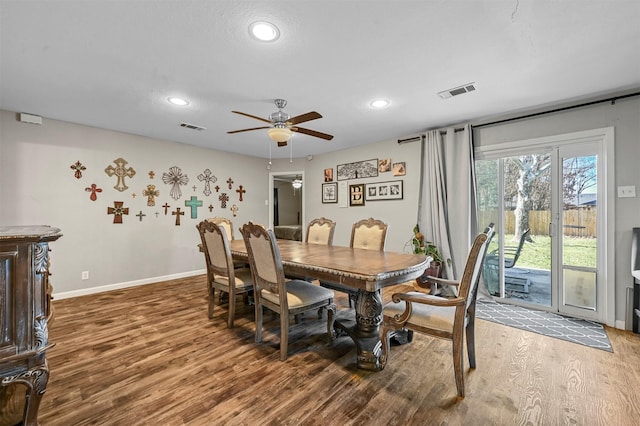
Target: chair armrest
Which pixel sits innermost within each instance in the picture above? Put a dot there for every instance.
(420, 298)
(441, 281)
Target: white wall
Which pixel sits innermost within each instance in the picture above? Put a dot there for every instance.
(39, 187)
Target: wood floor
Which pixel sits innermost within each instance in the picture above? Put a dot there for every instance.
(150, 356)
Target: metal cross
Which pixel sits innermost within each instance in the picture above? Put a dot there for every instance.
(208, 178)
(79, 168)
(177, 214)
(151, 193)
(166, 206)
(223, 200)
(140, 215)
(230, 182)
(194, 203)
(117, 211)
(121, 172)
(240, 191)
(234, 209)
(93, 189)
(210, 207)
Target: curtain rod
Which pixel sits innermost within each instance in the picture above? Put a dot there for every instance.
(522, 117)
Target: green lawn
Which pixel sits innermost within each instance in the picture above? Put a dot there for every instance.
(577, 251)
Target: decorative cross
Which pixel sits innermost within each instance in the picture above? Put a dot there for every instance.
(152, 174)
(208, 179)
(175, 178)
(133, 194)
(240, 191)
(223, 200)
(166, 206)
(79, 168)
(234, 209)
(177, 214)
(217, 188)
(93, 189)
(117, 211)
(194, 188)
(230, 182)
(151, 193)
(140, 215)
(157, 213)
(194, 203)
(121, 172)
(210, 207)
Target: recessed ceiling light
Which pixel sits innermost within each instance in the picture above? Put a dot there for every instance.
(177, 101)
(380, 103)
(264, 31)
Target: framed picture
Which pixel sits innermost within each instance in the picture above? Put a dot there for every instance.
(330, 192)
(392, 190)
(384, 165)
(356, 194)
(328, 175)
(358, 170)
(399, 169)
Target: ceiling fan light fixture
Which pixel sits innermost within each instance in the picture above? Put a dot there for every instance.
(280, 134)
(264, 31)
(297, 183)
(380, 103)
(174, 100)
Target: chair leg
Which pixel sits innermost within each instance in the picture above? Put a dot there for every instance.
(232, 309)
(471, 346)
(331, 313)
(258, 314)
(284, 335)
(458, 363)
(212, 299)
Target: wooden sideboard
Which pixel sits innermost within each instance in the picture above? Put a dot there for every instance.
(25, 309)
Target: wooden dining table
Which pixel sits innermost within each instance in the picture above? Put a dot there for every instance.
(366, 271)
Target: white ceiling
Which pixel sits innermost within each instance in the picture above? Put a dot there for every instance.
(113, 63)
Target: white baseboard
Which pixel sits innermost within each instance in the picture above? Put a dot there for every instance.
(620, 325)
(118, 286)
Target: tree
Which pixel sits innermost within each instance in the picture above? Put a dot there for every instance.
(532, 170)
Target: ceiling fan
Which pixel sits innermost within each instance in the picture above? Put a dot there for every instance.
(281, 125)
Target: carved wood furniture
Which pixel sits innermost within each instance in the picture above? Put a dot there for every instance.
(24, 308)
(446, 318)
(221, 273)
(273, 292)
(366, 271)
(320, 231)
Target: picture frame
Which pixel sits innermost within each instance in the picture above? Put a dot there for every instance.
(328, 174)
(357, 170)
(399, 169)
(356, 194)
(391, 190)
(330, 192)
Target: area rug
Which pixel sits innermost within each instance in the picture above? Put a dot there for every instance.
(574, 330)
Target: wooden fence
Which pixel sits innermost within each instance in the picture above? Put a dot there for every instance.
(576, 223)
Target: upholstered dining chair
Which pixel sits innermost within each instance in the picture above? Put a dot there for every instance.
(446, 318)
(225, 223)
(274, 292)
(320, 231)
(369, 234)
(221, 273)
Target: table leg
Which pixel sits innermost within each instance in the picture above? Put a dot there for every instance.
(365, 331)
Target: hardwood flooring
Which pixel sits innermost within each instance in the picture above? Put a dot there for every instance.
(150, 356)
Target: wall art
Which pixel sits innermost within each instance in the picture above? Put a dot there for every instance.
(392, 190)
(177, 214)
(240, 191)
(330, 192)
(117, 211)
(175, 178)
(356, 194)
(399, 169)
(208, 178)
(384, 165)
(193, 203)
(328, 175)
(151, 193)
(358, 170)
(121, 171)
(93, 189)
(79, 168)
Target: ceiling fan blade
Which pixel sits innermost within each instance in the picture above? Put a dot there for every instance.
(252, 116)
(312, 133)
(304, 117)
(246, 130)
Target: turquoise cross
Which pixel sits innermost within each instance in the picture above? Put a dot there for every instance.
(194, 203)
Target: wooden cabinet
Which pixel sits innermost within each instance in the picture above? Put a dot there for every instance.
(24, 310)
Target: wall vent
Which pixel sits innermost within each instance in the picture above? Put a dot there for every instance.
(192, 126)
(465, 88)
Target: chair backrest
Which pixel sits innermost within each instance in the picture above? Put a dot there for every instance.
(216, 248)
(469, 282)
(370, 234)
(226, 224)
(320, 231)
(516, 255)
(264, 260)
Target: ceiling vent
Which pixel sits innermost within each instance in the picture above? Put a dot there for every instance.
(192, 126)
(465, 88)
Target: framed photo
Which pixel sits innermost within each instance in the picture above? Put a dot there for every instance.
(357, 170)
(399, 169)
(328, 175)
(392, 190)
(384, 165)
(330, 192)
(356, 194)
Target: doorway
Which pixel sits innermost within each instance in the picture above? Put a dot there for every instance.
(548, 199)
(286, 201)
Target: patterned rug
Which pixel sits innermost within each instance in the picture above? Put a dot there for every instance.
(574, 330)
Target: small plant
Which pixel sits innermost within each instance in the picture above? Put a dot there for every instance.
(422, 247)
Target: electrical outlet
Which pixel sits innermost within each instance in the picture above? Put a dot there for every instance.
(85, 275)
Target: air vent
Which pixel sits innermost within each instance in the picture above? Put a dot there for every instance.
(465, 88)
(192, 126)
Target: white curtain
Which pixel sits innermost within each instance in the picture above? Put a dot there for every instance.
(447, 207)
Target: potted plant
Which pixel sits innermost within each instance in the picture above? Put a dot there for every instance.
(429, 249)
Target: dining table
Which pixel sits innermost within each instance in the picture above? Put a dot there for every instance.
(366, 271)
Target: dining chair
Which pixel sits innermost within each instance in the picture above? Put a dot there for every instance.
(320, 231)
(446, 318)
(221, 273)
(369, 234)
(274, 292)
(225, 223)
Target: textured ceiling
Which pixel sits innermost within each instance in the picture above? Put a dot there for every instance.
(112, 64)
